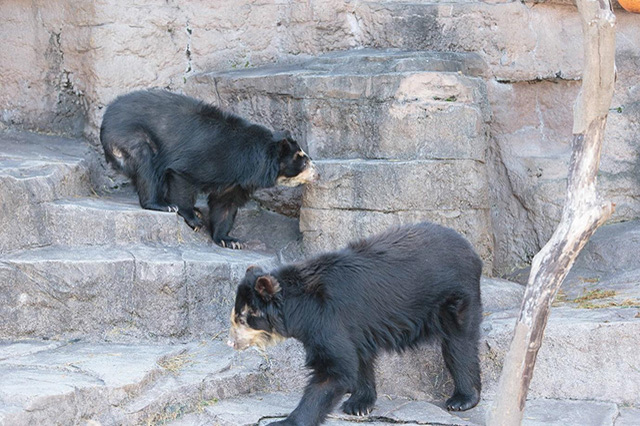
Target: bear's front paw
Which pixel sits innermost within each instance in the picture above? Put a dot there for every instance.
(231, 243)
(357, 407)
(460, 402)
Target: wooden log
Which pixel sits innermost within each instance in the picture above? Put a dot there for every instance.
(582, 214)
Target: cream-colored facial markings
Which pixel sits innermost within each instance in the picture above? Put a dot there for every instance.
(241, 336)
(310, 174)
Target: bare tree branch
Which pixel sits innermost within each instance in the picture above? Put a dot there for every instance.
(583, 212)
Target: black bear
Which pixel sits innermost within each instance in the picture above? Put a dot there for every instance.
(389, 292)
(172, 147)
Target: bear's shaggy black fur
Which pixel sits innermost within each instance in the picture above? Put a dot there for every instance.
(392, 291)
(172, 147)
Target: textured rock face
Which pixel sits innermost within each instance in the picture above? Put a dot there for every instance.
(66, 61)
(364, 104)
(484, 138)
(397, 137)
(393, 410)
(360, 198)
(118, 384)
(531, 146)
(123, 274)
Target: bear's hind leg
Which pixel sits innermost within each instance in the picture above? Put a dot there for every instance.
(461, 359)
(183, 193)
(461, 325)
(147, 180)
(364, 396)
(222, 213)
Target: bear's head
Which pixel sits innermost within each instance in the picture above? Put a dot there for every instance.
(296, 168)
(255, 311)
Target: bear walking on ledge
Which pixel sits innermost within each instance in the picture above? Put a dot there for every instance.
(172, 147)
(389, 292)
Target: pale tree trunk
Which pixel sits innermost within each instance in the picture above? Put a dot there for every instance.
(583, 212)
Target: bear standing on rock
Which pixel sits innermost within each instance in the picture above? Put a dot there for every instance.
(172, 147)
(389, 292)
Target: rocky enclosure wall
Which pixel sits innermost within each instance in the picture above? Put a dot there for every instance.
(63, 61)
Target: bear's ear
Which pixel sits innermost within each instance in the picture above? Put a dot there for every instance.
(282, 135)
(285, 148)
(267, 287)
(255, 269)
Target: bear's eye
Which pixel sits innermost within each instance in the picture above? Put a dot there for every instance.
(242, 321)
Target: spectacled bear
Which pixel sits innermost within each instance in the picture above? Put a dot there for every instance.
(392, 291)
(172, 147)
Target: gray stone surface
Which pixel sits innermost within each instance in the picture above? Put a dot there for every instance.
(612, 249)
(390, 186)
(281, 199)
(539, 412)
(530, 150)
(365, 103)
(76, 382)
(105, 221)
(509, 35)
(67, 62)
(411, 108)
(607, 264)
(102, 266)
(333, 229)
(261, 409)
(134, 291)
(355, 199)
(35, 169)
(576, 360)
(117, 219)
(499, 295)
(567, 412)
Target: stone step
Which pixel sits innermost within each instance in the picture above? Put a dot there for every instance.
(136, 291)
(74, 382)
(358, 198)
(576, 360)
(105, 221)
(45, 183)
(118, 219)
(364, 103)
(35, 169)
(263, 408)
(398, 137)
